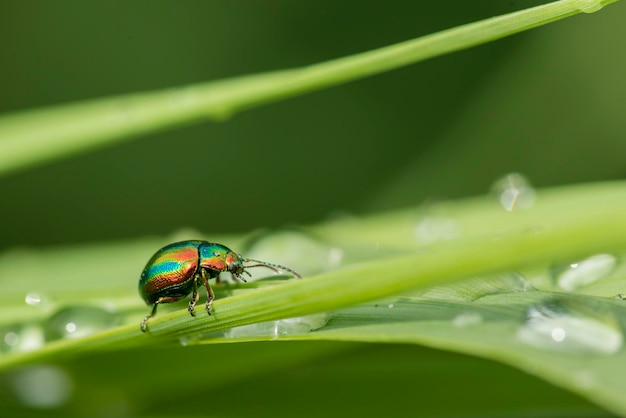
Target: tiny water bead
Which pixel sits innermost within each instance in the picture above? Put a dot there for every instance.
(10, 339)
(431, 229)
(21, 338)
(335, 257)
(514, 192)
(467, 319)
(572, 276)
(33, 299)
(185, 340)
(284, 327)
(42, 387)
(78, 321)
(563, 327)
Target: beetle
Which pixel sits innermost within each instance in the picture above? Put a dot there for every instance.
(175, 270)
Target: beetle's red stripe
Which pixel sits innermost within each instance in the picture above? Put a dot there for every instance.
(181, 255)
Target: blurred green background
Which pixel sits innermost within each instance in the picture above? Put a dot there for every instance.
(548, 103)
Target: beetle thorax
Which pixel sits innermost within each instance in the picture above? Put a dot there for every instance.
(219, 258)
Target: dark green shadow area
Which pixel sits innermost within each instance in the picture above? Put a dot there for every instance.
(269, 379)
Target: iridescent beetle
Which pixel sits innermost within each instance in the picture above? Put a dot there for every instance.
(175, 270)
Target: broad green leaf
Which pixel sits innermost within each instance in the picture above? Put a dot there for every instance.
(377, 279)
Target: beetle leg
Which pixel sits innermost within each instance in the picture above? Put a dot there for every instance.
(145, 320)
(194, 296)
(209, 292)
(154, 310)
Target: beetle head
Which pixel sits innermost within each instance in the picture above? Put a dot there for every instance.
(234, 264)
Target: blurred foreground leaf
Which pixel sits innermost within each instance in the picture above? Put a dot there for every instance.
(30, 137)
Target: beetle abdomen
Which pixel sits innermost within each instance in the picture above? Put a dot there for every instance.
(169, 273)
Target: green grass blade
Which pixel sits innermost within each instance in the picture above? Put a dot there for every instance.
(542, 235)
(30, 137)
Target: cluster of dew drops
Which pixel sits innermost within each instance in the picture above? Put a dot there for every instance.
(558, 325)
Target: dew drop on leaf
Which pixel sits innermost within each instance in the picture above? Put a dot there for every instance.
(283, 327)
(33, 298)
(577, 274)
(78, 321)
(514, 192)
(467, 319)
(431, 229)
(21, 337)
(571, 327)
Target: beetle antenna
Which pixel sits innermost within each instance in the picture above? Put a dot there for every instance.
(275, 270)
(276, 267)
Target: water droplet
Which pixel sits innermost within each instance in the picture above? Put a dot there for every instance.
(467, 319)
(514, 192)
(42, 386)
(390, 306)
(433, 228)
(186, 340)
(581, 273)
(78, 322)
(10, 339)
(294, 249)
(21, 337)
(33, 299)
(31, 338)
(290, 326)
(588, 6)
(558, 334)
(335, 256)
(572, 328)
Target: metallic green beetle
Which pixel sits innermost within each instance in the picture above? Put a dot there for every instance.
(175, 270)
